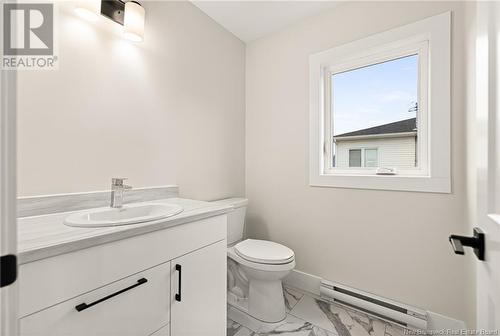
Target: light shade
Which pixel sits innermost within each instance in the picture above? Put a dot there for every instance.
(133, 21)
(89, 9)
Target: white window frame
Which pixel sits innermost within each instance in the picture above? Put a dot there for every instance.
(430, 39)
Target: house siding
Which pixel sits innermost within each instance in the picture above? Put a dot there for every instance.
(392, 152)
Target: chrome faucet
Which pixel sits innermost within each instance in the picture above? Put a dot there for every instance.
(117, 189)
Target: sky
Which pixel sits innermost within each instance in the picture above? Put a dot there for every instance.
(374, 95)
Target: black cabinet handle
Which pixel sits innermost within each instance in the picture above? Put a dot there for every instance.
(8, 270)
(83, 306)
(178, 268)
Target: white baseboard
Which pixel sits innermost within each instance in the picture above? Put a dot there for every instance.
(304, 281)
(311, 283)
(440, 322)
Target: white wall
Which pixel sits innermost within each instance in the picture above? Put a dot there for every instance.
(394, 244)
(471, 152)
(392, 152)
(169, 110)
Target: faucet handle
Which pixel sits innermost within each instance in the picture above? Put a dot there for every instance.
(118, 181)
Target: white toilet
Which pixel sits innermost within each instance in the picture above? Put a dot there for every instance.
(255, 269)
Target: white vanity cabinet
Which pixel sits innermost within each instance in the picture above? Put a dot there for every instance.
(169, 282)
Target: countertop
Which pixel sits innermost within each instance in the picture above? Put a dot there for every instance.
(46, 236)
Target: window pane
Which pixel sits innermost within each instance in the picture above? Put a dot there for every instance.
(371, 158)
(355, 158)
(376, 106)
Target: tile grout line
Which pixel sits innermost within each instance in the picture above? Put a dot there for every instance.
(315, 325)
(287, 290)
(334, 331)
(295, 305)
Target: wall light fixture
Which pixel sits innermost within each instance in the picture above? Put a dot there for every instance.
(129, 14)
(133, 23)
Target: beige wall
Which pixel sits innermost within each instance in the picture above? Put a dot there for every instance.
(169, 110)
(391, 243)
(392, 152)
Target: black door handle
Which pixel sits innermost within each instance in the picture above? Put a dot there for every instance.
(8, 269)
(83, 306)
(476, 242)
(458, 248)
(178, 296)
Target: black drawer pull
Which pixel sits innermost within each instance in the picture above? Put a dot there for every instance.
(178, 295)
(8, 269)
(83, 306)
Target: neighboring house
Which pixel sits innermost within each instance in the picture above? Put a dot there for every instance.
(389, 145)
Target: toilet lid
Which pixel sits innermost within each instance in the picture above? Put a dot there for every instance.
(264, 252)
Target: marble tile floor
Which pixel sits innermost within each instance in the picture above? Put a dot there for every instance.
(311, 316)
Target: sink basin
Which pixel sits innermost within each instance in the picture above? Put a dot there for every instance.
(128, 214)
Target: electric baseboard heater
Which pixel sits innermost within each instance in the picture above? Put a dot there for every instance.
(389, 310)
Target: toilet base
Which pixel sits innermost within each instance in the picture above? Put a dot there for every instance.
(239, 314)
(266, 301)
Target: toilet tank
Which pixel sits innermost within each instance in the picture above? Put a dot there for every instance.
(235, 218)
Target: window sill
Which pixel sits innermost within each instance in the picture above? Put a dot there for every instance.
(373, 172)
(431, 184)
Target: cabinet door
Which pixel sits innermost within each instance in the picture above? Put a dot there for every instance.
(135, 306)
(199, 292)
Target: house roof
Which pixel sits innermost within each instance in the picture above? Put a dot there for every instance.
(402, 126)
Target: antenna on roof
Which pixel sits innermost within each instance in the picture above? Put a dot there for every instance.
(413, 107)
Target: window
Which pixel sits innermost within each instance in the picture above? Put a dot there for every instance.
(354, 157)
(375, 105)
(371, 157)
(371, 110)
(363, 157)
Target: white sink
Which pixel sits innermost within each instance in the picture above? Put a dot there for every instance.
(128, 214)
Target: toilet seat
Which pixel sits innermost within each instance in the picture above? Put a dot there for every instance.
(264, 252)
(231, 253)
